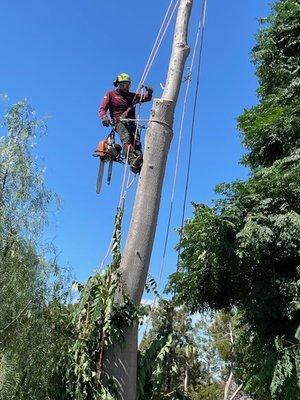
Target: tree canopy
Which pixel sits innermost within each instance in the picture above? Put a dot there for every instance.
(240, 255)
(244, 251)
(32, 312)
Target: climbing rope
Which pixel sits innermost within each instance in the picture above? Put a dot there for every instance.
(159, 38)
(189, 81)
(192, 132)
(199, 36)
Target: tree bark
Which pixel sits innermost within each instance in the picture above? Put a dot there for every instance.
(121, 360)
(227, 385)
(186, 371)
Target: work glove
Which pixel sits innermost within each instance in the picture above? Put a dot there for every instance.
(149, 89)
(105, 121)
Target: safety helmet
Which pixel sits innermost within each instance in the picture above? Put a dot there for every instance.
(123, 77)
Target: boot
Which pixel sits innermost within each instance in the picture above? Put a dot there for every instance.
(136, 164)
(135, 158)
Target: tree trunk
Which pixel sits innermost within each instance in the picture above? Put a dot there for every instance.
(227, 385)
(121, 360)
(186, 371)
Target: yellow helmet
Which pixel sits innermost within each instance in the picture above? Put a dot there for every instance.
(123, 77)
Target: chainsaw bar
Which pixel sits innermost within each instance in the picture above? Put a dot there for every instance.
(100, 176)
(107, 151)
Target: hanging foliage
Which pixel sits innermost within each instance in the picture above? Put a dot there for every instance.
(33, 292)
(98, 322)
(167, 353)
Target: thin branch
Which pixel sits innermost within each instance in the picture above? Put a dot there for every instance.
(231, 333)
(3, 185)
(17, 317)
(236, 392)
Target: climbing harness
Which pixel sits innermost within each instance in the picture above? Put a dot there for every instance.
(159, 38)
(157, 43)
(107, 151)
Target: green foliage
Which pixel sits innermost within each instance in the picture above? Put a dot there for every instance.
(163, 354)
(212, 391)
(286, 369)
(24, 198)
(49, 349)
(176, 358)
(208, 339)
(245, 250)
(156, 355)
(32, 297)
(225, 331)
(276, 54)
(271, 129)
(97, 322)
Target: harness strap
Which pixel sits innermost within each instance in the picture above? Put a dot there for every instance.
(125, 113)
(133, 103)
(111, 135)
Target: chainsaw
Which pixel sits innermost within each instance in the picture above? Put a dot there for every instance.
(107, 151)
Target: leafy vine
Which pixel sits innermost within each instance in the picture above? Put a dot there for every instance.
(98, 321)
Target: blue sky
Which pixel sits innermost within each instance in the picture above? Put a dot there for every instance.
(63, 55)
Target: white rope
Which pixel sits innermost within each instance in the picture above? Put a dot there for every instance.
(163, 259)
(153, 53)
(130, 183)
(126, 170)
(192, 133)
(161, 33)
(107, 254)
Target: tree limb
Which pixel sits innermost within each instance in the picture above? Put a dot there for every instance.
(236, 392)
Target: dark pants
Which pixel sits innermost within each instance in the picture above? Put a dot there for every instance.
(130, 138)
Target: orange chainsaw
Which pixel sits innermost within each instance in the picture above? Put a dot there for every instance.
(107, 151)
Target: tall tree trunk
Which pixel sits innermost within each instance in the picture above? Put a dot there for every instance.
(186, 371)
(121, 360)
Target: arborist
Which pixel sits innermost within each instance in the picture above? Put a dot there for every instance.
(121, 106)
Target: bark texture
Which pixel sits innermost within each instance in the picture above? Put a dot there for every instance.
(121, 360)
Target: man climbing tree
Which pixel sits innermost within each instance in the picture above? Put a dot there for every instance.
(121, 106)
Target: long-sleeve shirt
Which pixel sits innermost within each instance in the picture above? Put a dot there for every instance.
(118, 103)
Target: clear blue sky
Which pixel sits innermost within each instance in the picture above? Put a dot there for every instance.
(63, 55)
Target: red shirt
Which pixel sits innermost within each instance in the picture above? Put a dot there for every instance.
(118, 103)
